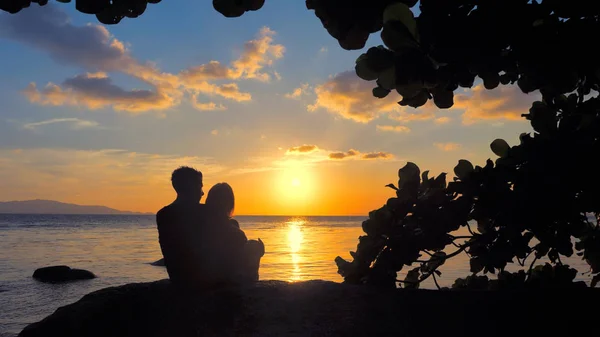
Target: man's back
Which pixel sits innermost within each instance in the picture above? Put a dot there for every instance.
(180, 235)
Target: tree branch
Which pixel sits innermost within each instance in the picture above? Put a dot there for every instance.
(435, 281)
(462, 237)
(469, 228)
(426, 252)
(531, 268)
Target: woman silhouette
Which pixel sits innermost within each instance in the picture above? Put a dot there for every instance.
(246, 254)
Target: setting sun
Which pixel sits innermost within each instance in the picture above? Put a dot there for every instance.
(296, 182)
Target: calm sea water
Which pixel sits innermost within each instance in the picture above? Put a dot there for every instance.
(118, 249)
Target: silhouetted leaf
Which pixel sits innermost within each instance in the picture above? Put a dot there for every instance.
(392, 186)
(476, 265)
(409, 175)
(500, 147)
(400, 12)
(463, 169)
(412, 279)
(380, 92)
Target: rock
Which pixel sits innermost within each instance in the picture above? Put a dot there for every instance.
(317, 308)
(158, 263)
(55, 274)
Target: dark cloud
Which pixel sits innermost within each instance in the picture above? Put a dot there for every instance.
(95, 91)
(48, 28)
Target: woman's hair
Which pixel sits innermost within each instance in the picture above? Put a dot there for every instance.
(220, 198)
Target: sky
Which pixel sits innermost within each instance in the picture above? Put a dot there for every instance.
(268, 102)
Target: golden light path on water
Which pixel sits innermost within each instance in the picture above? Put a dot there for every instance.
(295, 238)
(303, 248)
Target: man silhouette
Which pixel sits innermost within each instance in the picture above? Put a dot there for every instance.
(180, 227)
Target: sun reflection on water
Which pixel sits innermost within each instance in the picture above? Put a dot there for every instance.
(295, 239)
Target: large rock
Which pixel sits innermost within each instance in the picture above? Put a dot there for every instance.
(55, 274)
(318, 308)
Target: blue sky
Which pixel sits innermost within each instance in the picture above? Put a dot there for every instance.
(130, 102)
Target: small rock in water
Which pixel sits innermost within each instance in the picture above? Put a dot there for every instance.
(159, 263)
(55, 274)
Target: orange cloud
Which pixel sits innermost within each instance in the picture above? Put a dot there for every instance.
(314, 154)
(377, 155)
(442, 120)
(257, 54)
(351, 97)
(302, 149)
(209, 106)
(408, 114)
(342, 155)
(447, 146)
(298, 92)
(393, 128)
(505, 102)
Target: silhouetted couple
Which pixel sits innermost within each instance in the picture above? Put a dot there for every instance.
(201, 244)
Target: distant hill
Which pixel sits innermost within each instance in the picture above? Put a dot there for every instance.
(55, 207)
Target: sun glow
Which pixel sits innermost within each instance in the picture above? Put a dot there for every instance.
(295, 186)
(296, 182)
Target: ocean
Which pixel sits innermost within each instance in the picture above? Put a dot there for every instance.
(120, 248)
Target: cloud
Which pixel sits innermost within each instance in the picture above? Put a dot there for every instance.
(302, 149)
(377, 155)
(350, 97)
(50, 29)
(93, 48)
(342, 155)
(75, 123)
(256, 55)
(298, 92)
(314, 154)
(94, 92)
(442, 120)
(393, 128)
(214, 132)
(503, 103)
(210, 106)
(358, 155)
(447, 146)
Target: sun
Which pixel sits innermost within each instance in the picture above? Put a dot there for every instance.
(294, 185)
(296, 182)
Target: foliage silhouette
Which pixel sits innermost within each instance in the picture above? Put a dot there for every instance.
(530, 203)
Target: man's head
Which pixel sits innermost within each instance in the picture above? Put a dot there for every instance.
(187, 182)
